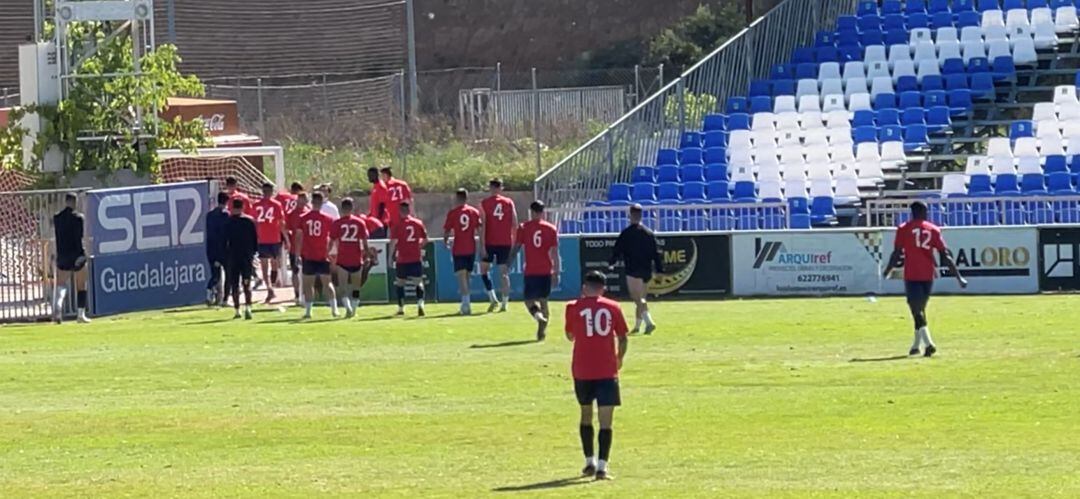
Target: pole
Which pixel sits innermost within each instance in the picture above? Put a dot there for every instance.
(660, 68)
(325, 97)
(498, 76)
(259, 102)
(170, 12)
(637, 83)
(414, 95)
(682, 106)
(536, 121)
(750, 12)
(404, 127)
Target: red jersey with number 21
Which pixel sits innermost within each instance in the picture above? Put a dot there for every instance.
(315, 227)
(268, 217)
(463, 221)
(595, 324)
(498, 220)
(348, 232)
(409, 236)
(918, 239)
(538, 237)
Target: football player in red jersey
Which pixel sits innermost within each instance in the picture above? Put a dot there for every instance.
(376, 230)
(349, 238)
(462, 223)
(499, 220)
(232, 186)
(377, 207)
(408, 239)
(288, 199)
(916, 242)
(541, 242)
(292, 223)
(595, 324)
(270, 222)
(397, 192)
(313, 244)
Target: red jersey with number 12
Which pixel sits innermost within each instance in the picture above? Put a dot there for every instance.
(348, 232)
(268, 218)
(595, 324)
(315, 227)
(463, 221)
(918, 239)
(538, 237)
(409, 237)
(498, 220)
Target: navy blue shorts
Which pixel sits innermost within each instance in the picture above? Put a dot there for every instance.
(351, 269)
(499, 255)
(918, 292)
(269, 250)
(409, 270)
(604, 391)
(315, 267)
(465, 262)
(537, 287)
(70, 263)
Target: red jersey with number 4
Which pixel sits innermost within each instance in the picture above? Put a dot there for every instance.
(918, 239)
(463, 221)
(349, 232)
(595, 323)
(498, 220)
(315, 227)
(268, 218)
(538, 237)
(396, 192)
(409, 238)
(287, 200)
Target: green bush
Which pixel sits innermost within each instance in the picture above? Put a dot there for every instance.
(694, 37)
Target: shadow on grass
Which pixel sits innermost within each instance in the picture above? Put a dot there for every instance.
(551, 484)
(380, 318)
(881, 359)
(516, 343)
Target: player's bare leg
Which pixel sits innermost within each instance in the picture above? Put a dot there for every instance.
(504, 273)
(418, 283)
(638, 290)
(605, 414)
(296, 284)
(585, 430)
(80, 295)
(922, 330)
(309, 294)
(537, 312)
(399, 287)
(542, 332)
(331, 294)
(265, 264)
(60, 290)
(463, 291)
(485, 276)
(247, 299)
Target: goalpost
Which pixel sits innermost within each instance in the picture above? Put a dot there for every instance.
(217, 163)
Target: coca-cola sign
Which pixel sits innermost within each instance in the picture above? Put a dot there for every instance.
(216, 123)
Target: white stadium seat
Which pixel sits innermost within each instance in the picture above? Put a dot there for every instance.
(1002, 165)
(828, 71)
(953, 183)
(998, 146)
(972, 49)
(892, 152)
(946, 34)
(992, 18)
(784, 104)
(1065, 19)
(854, 69)
(920, 35)
(1024, 52)
(860, 102)
(977, 165)
(899, 53)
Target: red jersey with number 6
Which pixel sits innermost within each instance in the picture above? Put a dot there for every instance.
(538, 237)
(349, 232)
(409, 238)
(595, 323)
(315, 228)
(463, 221)
(918, 239)
(498, 220)
(269, 216)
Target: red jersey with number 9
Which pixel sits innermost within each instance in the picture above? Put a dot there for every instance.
(348, 232)
(409, 238)
(315, 227)
(538, 237)
(498, 220)
(463, 221)
(918, 239)
(595, 323)
(268, 218)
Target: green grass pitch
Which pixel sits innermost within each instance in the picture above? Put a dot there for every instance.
(731, 398)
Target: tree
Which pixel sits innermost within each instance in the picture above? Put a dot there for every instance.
(694, 37)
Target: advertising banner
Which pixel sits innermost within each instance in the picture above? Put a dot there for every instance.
(1059, 267)
(995, 260)
(569, 275)
(694, 265)
(376, 289)
(148, 246)
(810, 263)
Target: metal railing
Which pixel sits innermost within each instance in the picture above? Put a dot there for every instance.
(674, 218)
(979, 211)
(682, 104)
(515, 114)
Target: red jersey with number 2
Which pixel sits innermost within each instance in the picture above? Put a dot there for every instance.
(595, 323)
(538, 237)
(463, 221)
(315, 227)
(498, 220)
(349, 232)
(268, 218)
(918, 239)
(409, 238)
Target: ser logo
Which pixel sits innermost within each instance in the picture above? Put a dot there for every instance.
(149, 219)
(776, 252)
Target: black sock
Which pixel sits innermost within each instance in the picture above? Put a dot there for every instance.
(534, 309)
(273, 273)
(605, 443)
(419, 291)
(487, 281)
(247, 293)
(401, 296)
(356, 294)
(586, 432)
(80, 299)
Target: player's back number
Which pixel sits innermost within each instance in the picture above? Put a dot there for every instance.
(597, 321)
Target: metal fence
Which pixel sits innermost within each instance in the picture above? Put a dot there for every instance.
(9, 97)
(979, 211)
(513, 114)
(668, 219)
(681, 104)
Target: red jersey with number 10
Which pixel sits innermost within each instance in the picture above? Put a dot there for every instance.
(409, 238)
(538, 237)
(918, 239)
(595, 323)
(268, 218)
(498, 220)
(315, 227)
(463, 221)
(349, 232)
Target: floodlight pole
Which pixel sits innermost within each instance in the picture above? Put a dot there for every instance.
(414, 95)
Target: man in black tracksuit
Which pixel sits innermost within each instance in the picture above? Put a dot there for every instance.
(216, 221)
(241, 243)
(70, 258)
(639, 251)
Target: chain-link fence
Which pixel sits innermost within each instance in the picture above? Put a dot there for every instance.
(9, 97)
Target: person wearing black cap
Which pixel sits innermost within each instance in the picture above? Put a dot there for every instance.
(639, 251)
(70, 259)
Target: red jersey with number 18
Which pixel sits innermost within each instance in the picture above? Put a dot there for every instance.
(268, 217)
(538, 237)
(918, 239)
(348, 232)
(409, 238)
(498, 220)
(595, 323)
(463, 221)
(315, 228)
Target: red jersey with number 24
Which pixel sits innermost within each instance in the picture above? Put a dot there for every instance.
(409, 237)
(538, 237)
(348, 232)
(498, 220)
(268, 218)
(918, 239)
(315, 227)
(463, 221)
(595, 323)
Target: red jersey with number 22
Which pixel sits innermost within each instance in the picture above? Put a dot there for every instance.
(409, 237)
(268, 217)
(538, 237)
(595, 324)
(348, 232)
(918, 239)
(315, 227)
(463, 221)
(498, 220)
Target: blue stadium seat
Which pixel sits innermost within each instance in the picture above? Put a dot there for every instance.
(871, 37)
(1010, 4)
(890, 133)
(953, 66)
(896, 36)
(1003, 68)
(939, 6)
(826, 54)
(693, 173)
(914, 6)
(799, 212)
(919, 20)
(941, 20)
(891, 7)
(913, 116)
(690, 139)
(803, 55)
(759, 88)
(884, 101)
(715, 154)
(595, 222)
(667, 173)
(619, 192)
(746, 218)
(738, 121)
(851, 52)
(643, 192)
(979, 185)
(1055, 163)
(956, 82)
(782, 72)
(642, 174)
(667, 157)
(717, 190)
(669, 191)
(963, 6)
(806, 70)
(960, 102)
(716, 172)
(1067, 212)
(714, 123)
(670, 222)
(982, 86)
(694, 191)
(978, 65)
(822, 211)
(737, 105)
(862, 117)
(745, 192)
(935, 98)
(1006, 185)
(938, 119)
(910, 100)
(915, 136)
(1074, 164)
(696, 222)
(1035, 4)
(931, 83)
(985, 5)
(761, 104)
(867, 8)
(865, 134)
(870, 23)
(1021, 128)
(1033, 184)
(847, 24)
(783, 87)
(690, 156)
(907, 83)
(959, 214)
(887, 117)
(569, 227)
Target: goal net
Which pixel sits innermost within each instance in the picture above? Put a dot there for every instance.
(251, 166)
